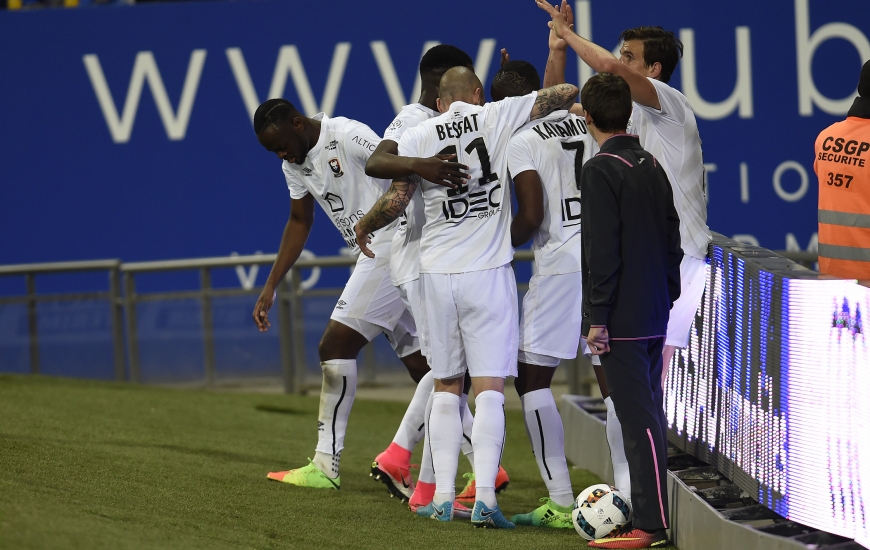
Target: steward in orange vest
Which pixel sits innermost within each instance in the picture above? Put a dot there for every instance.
(843, 166)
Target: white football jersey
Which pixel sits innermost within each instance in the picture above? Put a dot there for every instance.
(671, 136)
(405, 259)
(555, 147)
(334, 172)
(468, 228)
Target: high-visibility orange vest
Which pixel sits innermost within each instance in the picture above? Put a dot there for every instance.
(843, 166)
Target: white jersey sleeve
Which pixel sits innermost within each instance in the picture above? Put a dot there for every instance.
(515, 111)
(520, 156)
(296, 187)
(359, 144)
(672, 102)
(408, 117)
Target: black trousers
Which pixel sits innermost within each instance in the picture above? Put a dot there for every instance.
(633, 370)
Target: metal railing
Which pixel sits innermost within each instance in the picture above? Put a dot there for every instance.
(803, 257)
(124, 298)
(113, 295)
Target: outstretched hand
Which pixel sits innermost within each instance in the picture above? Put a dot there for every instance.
(363, 240)
(559, 26)
(438, 170)
(556, 42)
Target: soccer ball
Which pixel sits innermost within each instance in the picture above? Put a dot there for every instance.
(599, 510)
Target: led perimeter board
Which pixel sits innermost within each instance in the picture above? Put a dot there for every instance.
(772, 388)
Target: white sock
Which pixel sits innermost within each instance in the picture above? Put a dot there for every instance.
(336, 400)
(427, 471)
(411, 430)
(621, 478)
(487, 436)
(467, 424)
(544, 426)
(445, 434)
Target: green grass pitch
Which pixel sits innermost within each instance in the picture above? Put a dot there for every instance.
(94, 465)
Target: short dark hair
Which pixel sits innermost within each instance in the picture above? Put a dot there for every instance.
(442, 57)
(659, 46)
(515, 78)
(607, 99)
(273, 112)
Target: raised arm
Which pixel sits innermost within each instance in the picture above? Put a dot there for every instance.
(385, 163)
(601, 60)
(554, 72)
(292, 242)
(389, 207)
(554, 98)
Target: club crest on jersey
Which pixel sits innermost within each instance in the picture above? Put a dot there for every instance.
(335, 166)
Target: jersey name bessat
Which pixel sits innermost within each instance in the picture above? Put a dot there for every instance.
(671, 136)
(556, 147)
(334, 173)
(405, 260)
(468, 228)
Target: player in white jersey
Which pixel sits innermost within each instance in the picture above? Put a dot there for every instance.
(545, 159)
(392, 466)
(666, 126)
(324, 161)
(468, 287)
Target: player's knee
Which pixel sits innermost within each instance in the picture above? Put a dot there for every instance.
(531, 377)
(416, 365)
(340, 342)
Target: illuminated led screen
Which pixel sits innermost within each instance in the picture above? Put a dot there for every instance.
(774, 390)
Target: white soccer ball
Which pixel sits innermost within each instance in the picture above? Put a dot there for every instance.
(599, 510)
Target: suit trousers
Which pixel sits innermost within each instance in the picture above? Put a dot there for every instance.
(633, 369)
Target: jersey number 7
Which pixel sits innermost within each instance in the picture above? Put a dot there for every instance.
(579, 147)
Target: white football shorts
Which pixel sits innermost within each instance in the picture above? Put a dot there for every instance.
(471, 319)
(552, 316)
(370, 304)
(693, 279)
(409, 292)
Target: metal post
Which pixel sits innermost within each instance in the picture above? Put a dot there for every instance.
(32, 324)
(117, 308)
(132, 335)
(285, 335)
(299, 363)
(207, 325)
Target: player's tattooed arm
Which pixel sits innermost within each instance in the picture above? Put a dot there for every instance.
(554, 98)
(388, 208)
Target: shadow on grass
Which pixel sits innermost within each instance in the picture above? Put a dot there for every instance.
(208, 453)
(281, 410)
